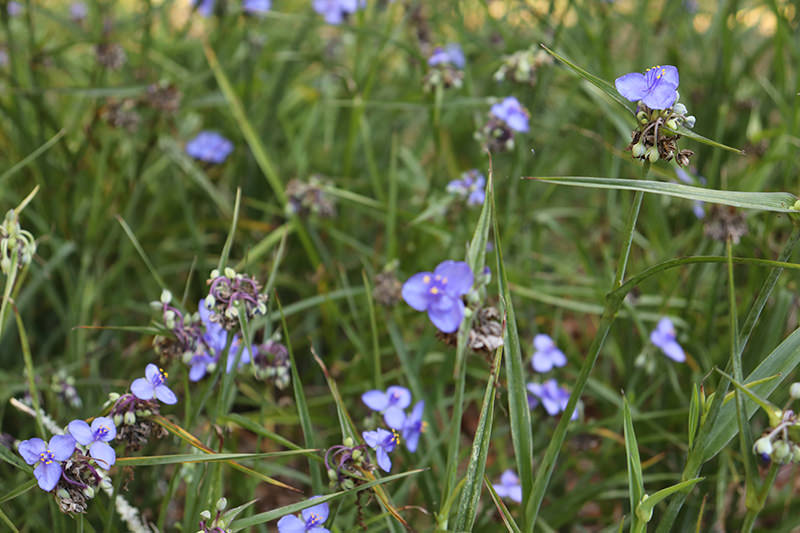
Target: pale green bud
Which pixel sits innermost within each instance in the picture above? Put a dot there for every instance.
(222, 503)
(62, 493)
(332, 474)
(781, 451)
(230, 273)
(88, 492)
(652, 154)
(117, 420)
(672, 123)
(763, 446)
(357, 455)
(166, 296)
(348, 441)
(794, 391)
(113, 396)
(205, 515)
(637, 150)
(679, 109)
(129, 418)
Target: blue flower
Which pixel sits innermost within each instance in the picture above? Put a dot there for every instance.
(310, 523)
(471, 186)
(512, 113)
(509, 486)
(439, 293)
(450, 54)
(547, 355)
(256, 6)
(209, 146)
(413, 426)
(213, 344)
(153, 385)
(95, 437)
(655, 88)
(48, 456)
(78, 11)
(14, 8)
(335, 11)
(383, 442)
(664, 337)
(554, 398)
(204, 7)
(391, 403)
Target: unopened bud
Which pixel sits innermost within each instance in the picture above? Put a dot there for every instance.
(88, 492)
(166, 296)
(652, 154)
(117, 420)
(332, 474)
(222, 503)
(763, 446)
(357, 455)
(794, 391)
(796, 454)
(348, 441)
(62, 493)
(205, 515)
(113, 396)
(637, 150)
(672, 123)
(781, 451)
(130, 418)
(679, 109)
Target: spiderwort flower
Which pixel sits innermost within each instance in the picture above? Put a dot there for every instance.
(14, 8)
(413, 426)
(391, 403)
(554, 398)
(509, 486)
(256, 6)
(383, 442)
(78, 11)
(209, 146)
(154, 384)
(312, 518)
(450, 54)
(204, 7)
(512, 113)
(95, 437)
(547, 355)
(335, 11)
(655, 88)
(439, 293)
(664, 337)
(471, 186)
(48, 456)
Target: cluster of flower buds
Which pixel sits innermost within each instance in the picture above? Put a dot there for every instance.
(221, 519)
(185, 331)
(522, 66)
(345, 463)
(16, 244)
(505, 119)
(309, 197)
(271, 363)
(446, 68)
(655, 139)
(64, 386)
(132, 417)
(781, 443)
(231, 292)
(388, 289)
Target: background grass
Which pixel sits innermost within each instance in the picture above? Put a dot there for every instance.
(347, 103)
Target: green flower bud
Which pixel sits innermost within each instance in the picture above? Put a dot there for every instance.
(672, 123)
(781, 451)
(795, 454)
(62, 493)
(332, 475)
(763, 446)
(222, 503)
(348, 441)
(166, 296)
(652, 154)
(129, 418)
(357, 454)
(794, 391)
(230, 273)
(117, 420)
(205, 515)
(88, 492)
(113, 396)
(679, 109)
(637, 150)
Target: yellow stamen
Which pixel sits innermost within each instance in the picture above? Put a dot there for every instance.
(434, 290)
(426, 279)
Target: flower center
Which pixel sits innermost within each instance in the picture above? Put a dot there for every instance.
(437, 284)
(313, 520)
(160, 378)
(101, 432)
(46, 457)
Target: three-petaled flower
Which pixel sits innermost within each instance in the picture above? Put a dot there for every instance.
(450, 54)
(554, 398)
(509, 486)
(413, 426)
(153, 384)
(335, 11)
(547, 355)
(471, 186)
(310, 523)
(209, 146)
(664, 337)
(95, 437)
(655, 88)
(391, 403)
(512, 113)
(48, 456)
(383, 442)
(439, 293)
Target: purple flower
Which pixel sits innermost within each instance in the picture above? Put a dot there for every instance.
(509, 486)
(450, 54)
(78, 11)
(383, 442)
(154, 384)
(95, 437)
(471, 186)
(256, 6)
(664, 337)
(697, 205)
(391, 403)
(655, 88)
(547, 355)
(48, 456)
(209, 146)
(204, 7)
(439, 293)
(14, 8)
(554, 398)
(335, 11)
(214, 339)
(512, 113)
(312, 518)
(413, 426)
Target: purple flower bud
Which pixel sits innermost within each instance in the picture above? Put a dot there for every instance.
(547, 355)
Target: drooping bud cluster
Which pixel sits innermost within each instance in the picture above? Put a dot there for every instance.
(652, 140)
(446, 68)
(64, 386)
(186, 331)
(110, 55)
(485, 334)
(164, 97)
(16, 244)
(121, 114)
(219, 520)
(781, 443)
(505, 119)
(79, 483)
(309, 198)
(522, 66)
(230, 292)
(344, 463)
(271, 363)
(132, 417)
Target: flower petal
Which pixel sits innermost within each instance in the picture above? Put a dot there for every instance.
(142, 389)
(632, 86)
(31, 449)
(103, 453)
(515, 493)
(412, 440)
(662, 96)
(447, 318)
(321, 511)
(669, 76)
(543, 342)
(399, 396)
(501, 490)
(81, 432)
(106, 422)
(509, 478)
(674, 351)
(415, 290)
(47, 475)
(164, 394)
(151, 372)
(383, 459)
(394, 417)
(372, 438)
(458, 275)
(291, 524)
(375, 400)
(62, 447)
(541, 362)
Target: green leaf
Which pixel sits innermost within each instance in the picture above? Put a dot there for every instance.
(32, 156)
(505, 514)
(781, 202)
(14, 459)
(689, 134)
(635, 482)
(22, 489)
(468, 505)
(151, 460)
(262, 518)
(649, 502)
(694, 414)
